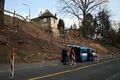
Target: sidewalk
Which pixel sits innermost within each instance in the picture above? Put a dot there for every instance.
(23, 66)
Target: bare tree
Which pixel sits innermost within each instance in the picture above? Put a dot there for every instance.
(80, 9)
(2, 12)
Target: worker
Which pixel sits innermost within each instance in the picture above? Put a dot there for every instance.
(64, 56)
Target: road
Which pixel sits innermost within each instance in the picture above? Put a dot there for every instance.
(104, 70)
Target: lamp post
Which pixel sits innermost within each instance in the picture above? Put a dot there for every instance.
(29, 10)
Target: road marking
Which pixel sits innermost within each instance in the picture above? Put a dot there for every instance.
(67, 71)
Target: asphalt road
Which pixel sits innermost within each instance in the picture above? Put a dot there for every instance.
(104, 70)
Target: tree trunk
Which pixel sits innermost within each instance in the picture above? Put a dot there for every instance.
(2, 13)
(84, 25)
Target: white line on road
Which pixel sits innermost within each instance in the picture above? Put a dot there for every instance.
(80, 68)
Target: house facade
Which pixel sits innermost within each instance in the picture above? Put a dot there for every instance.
(73, 32)
(48, 21)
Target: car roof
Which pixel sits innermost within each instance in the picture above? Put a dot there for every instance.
(91, 48)
(82, 47)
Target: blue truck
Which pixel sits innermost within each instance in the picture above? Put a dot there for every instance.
(82, 53)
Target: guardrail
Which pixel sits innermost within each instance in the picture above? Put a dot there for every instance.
(14, 14)
(13, 20)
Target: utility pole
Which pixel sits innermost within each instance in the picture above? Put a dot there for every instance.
(29, 10)
(2, 2)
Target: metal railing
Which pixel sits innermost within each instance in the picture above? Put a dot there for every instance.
(13, 20)
(14, 14)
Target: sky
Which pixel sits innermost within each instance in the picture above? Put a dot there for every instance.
(36, 6)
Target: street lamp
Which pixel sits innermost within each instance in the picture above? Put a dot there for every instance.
(29, 9)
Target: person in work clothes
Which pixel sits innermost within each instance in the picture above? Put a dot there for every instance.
(64, 56)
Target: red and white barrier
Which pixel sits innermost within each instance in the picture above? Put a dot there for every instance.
(73, 58)
(12, 65)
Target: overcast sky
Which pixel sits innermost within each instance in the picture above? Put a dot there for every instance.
(36, 6)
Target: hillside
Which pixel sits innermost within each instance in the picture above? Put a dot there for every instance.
(27, 46)
(32, 43)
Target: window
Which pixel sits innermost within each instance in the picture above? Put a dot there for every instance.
(83, 50)
(45, 20)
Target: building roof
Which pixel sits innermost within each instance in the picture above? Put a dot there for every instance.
(47, 13)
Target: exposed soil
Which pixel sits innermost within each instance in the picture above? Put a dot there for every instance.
(32, 43)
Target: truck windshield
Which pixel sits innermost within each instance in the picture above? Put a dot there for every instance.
(83, 50)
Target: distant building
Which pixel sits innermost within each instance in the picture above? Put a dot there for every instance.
(73, 32)
(49, 21)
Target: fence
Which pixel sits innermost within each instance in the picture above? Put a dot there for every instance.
(13, 20)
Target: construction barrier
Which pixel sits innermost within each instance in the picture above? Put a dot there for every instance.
(12, 65)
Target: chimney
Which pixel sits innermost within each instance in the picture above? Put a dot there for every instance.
(55, 15)
(40, 14)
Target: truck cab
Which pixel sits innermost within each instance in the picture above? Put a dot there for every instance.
(80, 52)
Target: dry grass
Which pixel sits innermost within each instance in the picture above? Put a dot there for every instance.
(37, 44)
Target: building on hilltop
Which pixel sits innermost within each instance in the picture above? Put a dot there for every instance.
(49, 21)
(73, 32)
